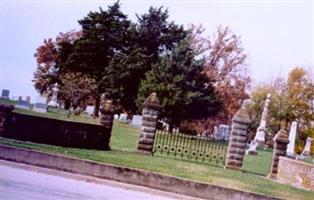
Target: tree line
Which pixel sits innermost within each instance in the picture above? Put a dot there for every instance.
(194, 76)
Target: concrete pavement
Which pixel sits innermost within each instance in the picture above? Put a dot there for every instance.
(25, 182)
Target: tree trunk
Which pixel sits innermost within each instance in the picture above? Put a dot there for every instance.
(97, 104)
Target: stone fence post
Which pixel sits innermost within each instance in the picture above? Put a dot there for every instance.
(237, 142)
(151, 108)
(280, 147)
(106, 119)
(5, 115)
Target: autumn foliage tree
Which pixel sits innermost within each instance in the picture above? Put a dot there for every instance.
(225, 66)
(291, 100)
(48, 64)
(45, 75)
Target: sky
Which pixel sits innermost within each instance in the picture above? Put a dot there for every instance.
(276, 35)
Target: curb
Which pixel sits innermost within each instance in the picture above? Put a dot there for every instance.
(126, 175)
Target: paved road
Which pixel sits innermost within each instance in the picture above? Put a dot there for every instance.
(31, 183)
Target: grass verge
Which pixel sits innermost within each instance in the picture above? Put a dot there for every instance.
(124, 141)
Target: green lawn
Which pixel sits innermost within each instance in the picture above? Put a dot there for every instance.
(124, 141)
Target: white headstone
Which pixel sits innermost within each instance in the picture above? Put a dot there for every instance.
(223, 132)
(292, 136)
(307, 147)
(137, 120)
(215, 132)
(123, 117)
(261, 130)
(90, 110)
(116, 116)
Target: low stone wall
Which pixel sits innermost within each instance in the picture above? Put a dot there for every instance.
(52, 131)
(296, 173)
(126, 175)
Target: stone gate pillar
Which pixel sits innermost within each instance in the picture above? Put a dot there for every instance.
(280, 148)
(5, 115)
(237, 142)
(151, 108)
(106, 119)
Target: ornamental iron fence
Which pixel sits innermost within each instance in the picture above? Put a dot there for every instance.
(189, 147)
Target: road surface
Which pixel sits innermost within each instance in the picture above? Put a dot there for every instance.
(24, 182)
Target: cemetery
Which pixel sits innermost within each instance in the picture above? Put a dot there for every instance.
(222, 156)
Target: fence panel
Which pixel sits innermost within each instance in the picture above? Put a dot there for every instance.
(188, 147)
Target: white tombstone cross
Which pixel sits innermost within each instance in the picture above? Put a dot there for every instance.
(292, 136)
(260, 134)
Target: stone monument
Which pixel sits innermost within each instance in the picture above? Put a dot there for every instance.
(53, 102)
(5, 94)
(123, 118)
(137, 120)
(215, 132)
(307, 148)
(261, 130)
(292, 136)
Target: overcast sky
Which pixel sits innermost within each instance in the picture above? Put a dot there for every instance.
(277, 36)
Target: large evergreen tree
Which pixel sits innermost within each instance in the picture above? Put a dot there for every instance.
(184, 92)
(104, 36)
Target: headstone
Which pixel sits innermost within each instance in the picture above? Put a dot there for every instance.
(5, 94)
(307, 147)
(205, 133)
(292, 136)
(53, 103)
(223, 132)
(22, 104)
(116, 116)
(40, 107)
(252, 148)
(261, 130)
(123, 117)
(215, 132)
(28, 99)
(136, 120)
(90, 109)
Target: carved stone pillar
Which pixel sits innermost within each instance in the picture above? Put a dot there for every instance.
(280, 148)
(151, 108)
(106, 119)
(237, 142)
